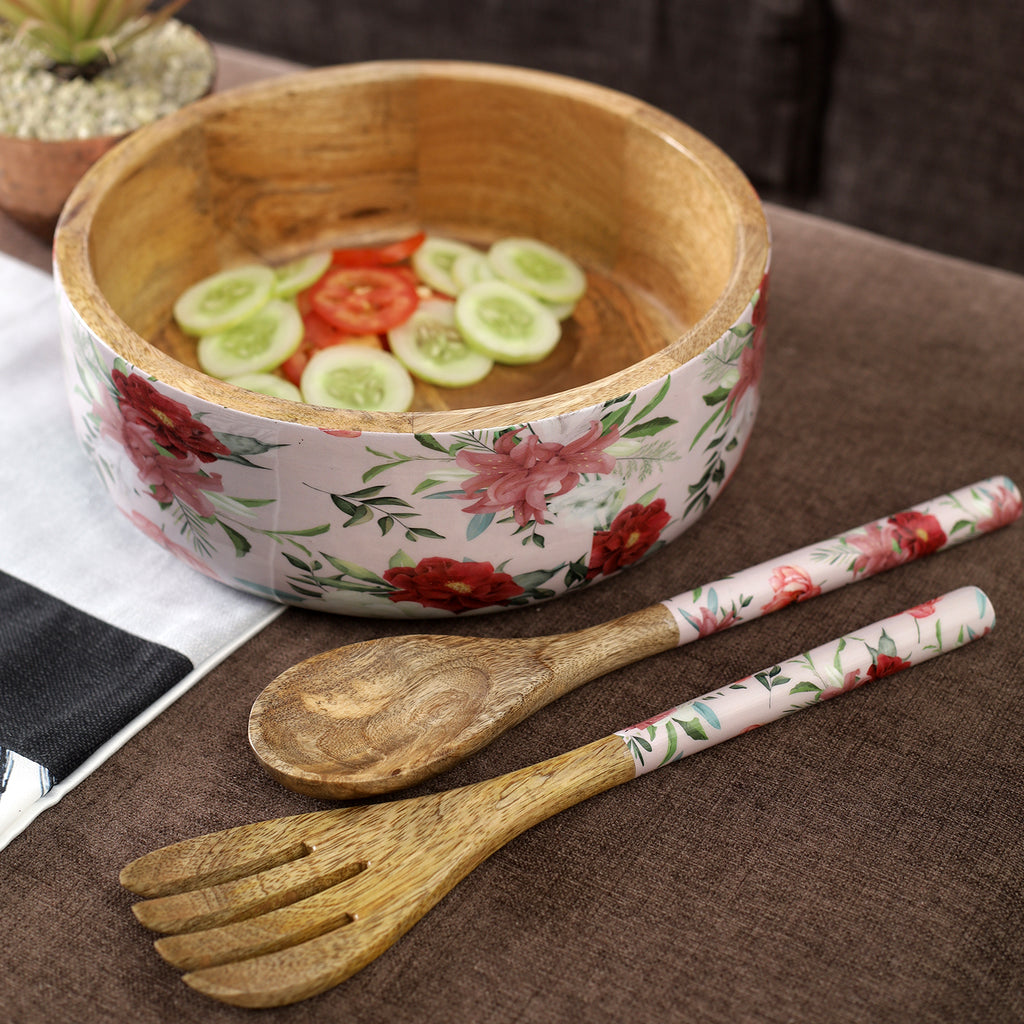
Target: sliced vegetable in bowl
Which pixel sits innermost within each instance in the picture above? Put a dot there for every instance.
(364, 300)
(435, 260)
(224, 299)
(443, 310)
(267, 384)
(504, 323)
(261, 342)
(537, 269)
(431, 347)
(357, 377)
(298, 274)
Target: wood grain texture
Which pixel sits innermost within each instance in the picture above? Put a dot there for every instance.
(376, 716)
(332, 890)
(671, 234)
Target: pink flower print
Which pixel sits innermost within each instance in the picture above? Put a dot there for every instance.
(850, 682)
(1006, 507)
(524, 474)
(709, 623)
(876, 550)
(151, 530)
(182, 479)
(922, 611)
(790, 583)
(751, 365)
(655, 720)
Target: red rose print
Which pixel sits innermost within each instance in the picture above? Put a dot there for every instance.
(790, 583)
(451, 585)
(630, 536)
(917, 534)
(524, 474)
(173, 426)
(902, 537)
(886, 665)
(169, 478)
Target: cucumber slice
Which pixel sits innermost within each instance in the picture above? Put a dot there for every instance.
(432, 348)
(471, 267)
(433, 262)
(267, 384)
(505, 323)
(224, 299)
(537, 268)
(292, 277)
(560, 310)
(357, 377)
(259, 343)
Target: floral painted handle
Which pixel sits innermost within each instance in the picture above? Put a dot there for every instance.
(878, 650)
(855, 555)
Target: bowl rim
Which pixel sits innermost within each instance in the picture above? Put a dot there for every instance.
(74, 276)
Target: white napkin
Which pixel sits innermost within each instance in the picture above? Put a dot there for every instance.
(100, 628)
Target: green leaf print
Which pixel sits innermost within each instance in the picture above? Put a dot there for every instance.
(655, 426)
(692, 728)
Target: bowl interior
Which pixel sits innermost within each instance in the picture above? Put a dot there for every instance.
(671, 234)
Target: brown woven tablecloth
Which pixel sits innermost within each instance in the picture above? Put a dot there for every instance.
(860, 863)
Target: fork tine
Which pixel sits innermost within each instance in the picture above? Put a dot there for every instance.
(246, 897)
(376, 919)
(267, 933)
(297, 972)
(231, 853)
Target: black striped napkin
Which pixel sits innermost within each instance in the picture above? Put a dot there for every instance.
(100, 628)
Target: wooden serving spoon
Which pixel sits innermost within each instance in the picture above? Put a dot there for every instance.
(277, 911)
(387, 713)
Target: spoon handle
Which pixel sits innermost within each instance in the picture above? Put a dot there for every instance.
(943, 522)
(878, 650)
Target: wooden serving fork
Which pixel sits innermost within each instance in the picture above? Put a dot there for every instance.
(271, 913)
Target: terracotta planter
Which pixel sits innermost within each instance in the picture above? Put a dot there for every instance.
(37, 176)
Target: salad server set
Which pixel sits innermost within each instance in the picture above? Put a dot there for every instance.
(270, 913)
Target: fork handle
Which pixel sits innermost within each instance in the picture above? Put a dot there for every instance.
(878, 650)
(930, 526)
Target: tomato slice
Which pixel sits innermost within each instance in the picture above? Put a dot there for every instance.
(293, 366)
(381, 255)
(321, 334)
(364, 300)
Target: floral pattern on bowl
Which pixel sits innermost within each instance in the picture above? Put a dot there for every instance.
(417, 525)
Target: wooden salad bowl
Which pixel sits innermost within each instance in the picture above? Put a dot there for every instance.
(631, 425)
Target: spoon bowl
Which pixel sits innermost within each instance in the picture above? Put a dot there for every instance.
(388, 713)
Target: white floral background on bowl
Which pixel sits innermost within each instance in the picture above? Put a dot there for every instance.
(421, 525)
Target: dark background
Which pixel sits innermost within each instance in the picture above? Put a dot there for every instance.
(904, 118)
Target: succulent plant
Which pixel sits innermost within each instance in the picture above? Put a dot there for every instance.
(81, 37)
